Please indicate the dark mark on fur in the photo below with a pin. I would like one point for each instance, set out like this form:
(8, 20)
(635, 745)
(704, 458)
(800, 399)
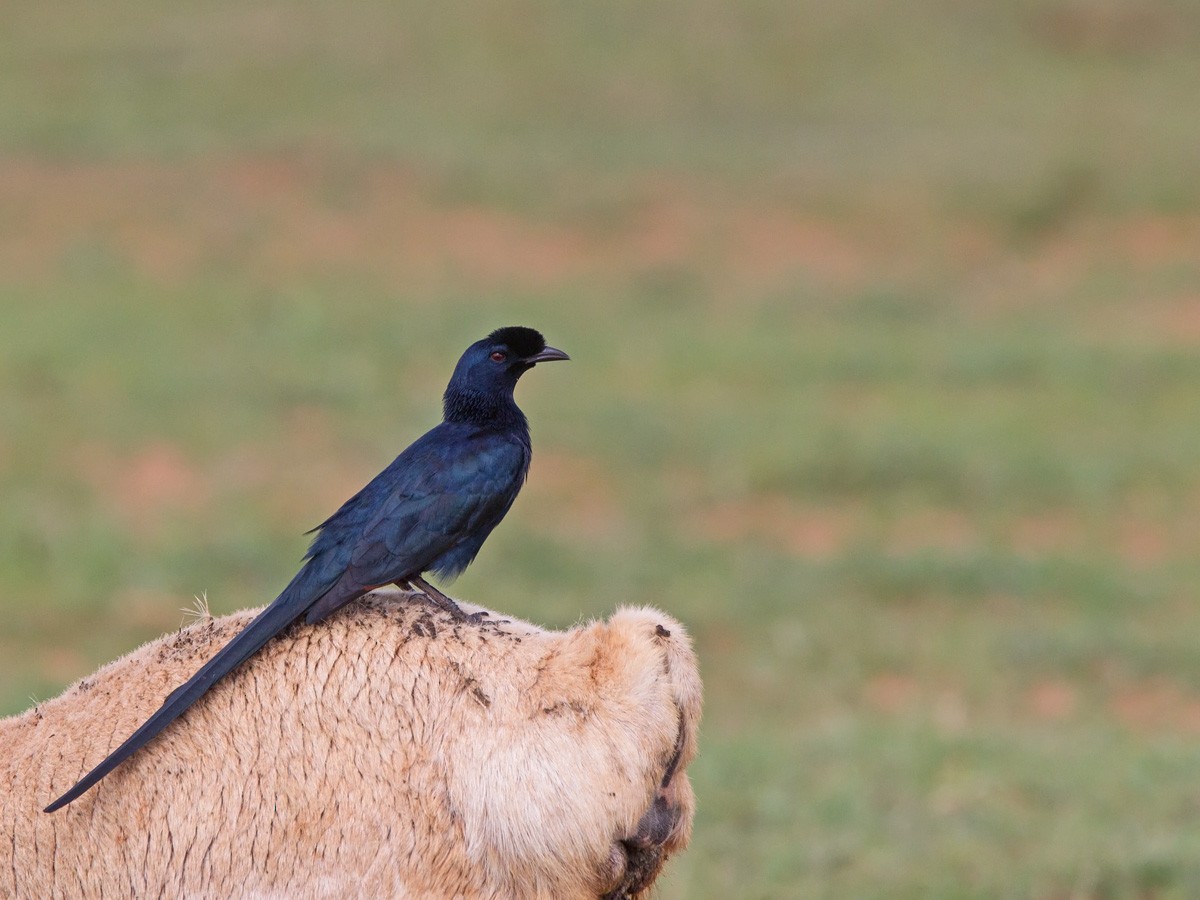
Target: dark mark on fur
(557, 709)
(655, 826)
(470, 684)
(661, 632)
(641, 868)
(423, 626)
(643, 850)
(673, 762)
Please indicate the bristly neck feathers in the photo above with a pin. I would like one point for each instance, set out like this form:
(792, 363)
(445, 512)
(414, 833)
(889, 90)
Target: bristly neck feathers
(487, 409)
(484, 397)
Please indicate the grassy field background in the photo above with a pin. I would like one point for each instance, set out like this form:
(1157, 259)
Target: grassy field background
(884, 319)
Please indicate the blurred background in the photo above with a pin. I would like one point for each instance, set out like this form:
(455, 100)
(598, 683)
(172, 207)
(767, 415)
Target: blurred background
(884, 319)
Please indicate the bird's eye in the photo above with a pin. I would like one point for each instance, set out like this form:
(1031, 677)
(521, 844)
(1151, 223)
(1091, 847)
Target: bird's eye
(499, 356)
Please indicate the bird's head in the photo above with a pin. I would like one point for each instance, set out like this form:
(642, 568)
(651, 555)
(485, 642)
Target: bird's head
(490, 367)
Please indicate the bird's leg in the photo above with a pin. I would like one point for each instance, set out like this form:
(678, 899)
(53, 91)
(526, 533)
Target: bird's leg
(441, 600)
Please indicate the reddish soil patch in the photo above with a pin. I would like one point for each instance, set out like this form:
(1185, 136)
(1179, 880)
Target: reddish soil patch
(1139, 541)
(303, 476)
(1157, 705)
(896, 694)
(1178, 320)
(60, 664)
(1140, 244)
(1121, 28)
(775, 243)
(665, 231)
(159, 475)
(150, 611)
(1154, 241)
(143, 487)
(892, 693)
(1052, 700)
(575, 495)
(816, 533)
(282, 216)
(1143, 543)
(1160, 705)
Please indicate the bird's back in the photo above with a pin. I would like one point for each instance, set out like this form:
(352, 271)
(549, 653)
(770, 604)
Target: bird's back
(431, 508)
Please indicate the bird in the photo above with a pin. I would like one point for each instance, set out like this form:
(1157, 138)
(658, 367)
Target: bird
(429, 511)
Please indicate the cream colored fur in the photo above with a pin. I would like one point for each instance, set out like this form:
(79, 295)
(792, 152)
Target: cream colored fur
(386, 752)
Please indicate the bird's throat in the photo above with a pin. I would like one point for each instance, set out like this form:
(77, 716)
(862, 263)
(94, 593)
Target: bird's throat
(484, 408)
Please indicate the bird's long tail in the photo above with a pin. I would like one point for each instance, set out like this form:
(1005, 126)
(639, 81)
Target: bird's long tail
(286, 608)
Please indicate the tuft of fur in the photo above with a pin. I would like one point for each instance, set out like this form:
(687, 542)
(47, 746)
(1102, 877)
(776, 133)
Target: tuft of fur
(520, 340)
(389, 751)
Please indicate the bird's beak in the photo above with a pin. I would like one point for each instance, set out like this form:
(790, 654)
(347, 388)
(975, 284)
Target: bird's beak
(547, 355)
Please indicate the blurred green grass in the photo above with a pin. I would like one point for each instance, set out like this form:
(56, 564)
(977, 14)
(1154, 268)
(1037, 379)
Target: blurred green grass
(884, 321)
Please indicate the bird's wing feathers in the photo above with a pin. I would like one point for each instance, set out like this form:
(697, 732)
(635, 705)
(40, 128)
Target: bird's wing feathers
(422, 519)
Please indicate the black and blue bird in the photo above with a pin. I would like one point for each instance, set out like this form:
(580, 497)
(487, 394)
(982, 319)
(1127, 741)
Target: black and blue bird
(429, 511)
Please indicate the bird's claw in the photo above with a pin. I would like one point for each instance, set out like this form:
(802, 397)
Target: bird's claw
(440, 600)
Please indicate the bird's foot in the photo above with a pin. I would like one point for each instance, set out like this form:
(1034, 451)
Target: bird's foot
(451, 607)
(456, 612)
(440, 600)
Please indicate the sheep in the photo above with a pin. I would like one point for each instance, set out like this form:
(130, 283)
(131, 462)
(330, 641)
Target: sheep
(389, 751)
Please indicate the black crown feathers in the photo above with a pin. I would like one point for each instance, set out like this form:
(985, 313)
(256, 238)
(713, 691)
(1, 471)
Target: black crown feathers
(520, 340)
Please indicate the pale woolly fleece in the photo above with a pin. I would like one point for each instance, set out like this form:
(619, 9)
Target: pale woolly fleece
(386, 752)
